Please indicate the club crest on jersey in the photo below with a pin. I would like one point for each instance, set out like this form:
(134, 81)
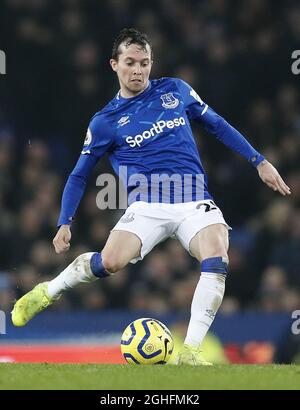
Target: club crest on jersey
(124, 120)
(169, 101)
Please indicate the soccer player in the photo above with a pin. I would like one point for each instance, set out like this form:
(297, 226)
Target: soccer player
(146, 129)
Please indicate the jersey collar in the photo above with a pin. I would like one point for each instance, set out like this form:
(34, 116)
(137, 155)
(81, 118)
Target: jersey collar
(123, 99)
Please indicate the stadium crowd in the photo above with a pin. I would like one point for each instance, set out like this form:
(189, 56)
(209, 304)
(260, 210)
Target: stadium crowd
(238, 58)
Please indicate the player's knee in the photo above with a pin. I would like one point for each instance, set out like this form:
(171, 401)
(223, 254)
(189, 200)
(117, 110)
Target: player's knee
(219, 251)
(112, 262)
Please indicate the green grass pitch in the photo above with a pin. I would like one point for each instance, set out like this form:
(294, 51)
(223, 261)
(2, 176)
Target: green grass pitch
(129, 377)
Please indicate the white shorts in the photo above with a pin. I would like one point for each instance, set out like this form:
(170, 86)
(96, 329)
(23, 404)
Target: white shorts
(153, 223)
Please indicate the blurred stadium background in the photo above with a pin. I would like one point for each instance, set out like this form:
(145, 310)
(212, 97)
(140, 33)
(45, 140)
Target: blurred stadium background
(237, 55)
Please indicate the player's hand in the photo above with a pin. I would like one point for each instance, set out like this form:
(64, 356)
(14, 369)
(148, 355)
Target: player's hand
(62, 239)
(271, 177)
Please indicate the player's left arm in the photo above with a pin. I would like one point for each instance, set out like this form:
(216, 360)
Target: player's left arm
(231, 137)
(270, 176)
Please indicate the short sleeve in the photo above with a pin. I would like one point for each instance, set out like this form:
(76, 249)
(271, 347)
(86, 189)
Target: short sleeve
(99, 138)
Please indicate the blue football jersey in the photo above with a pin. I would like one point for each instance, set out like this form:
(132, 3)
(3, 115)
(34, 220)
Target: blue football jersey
(150, 140)
(151, 146)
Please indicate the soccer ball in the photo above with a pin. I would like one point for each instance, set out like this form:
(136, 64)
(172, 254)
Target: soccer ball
(147, 341)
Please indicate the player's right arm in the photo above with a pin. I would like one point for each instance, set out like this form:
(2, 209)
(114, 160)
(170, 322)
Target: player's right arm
(97, 143)
(73, 192)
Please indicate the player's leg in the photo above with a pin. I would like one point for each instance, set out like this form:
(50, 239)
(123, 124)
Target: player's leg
(204, 233)
(115, 256)
(210, 247)
(91, 266)
(87, 267)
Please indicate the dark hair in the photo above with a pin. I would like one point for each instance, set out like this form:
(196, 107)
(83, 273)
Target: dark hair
(130, 36)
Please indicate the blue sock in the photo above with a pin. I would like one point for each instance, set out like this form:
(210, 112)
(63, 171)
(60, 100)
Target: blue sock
(97, 266)
(214, 265)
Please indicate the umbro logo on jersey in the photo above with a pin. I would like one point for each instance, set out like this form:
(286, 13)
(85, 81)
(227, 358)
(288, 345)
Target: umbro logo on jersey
(169, 101)
(124, 120)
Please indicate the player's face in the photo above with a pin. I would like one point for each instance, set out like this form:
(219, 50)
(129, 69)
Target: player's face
(133, 69)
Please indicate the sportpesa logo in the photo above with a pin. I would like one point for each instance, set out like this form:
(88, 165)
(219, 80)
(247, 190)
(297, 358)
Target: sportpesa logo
(157, 128)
